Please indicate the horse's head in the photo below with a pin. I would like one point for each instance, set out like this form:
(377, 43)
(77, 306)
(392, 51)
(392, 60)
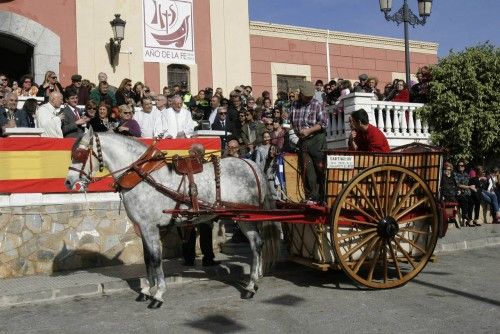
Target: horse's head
(85, 156)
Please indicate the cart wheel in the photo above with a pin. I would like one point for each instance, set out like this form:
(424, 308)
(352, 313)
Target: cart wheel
(384, 226)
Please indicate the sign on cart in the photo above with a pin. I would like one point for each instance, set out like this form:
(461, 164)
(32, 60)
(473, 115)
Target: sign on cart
(340, 162)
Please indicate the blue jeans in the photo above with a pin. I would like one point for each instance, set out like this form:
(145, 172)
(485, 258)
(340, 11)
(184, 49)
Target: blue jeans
(492, 200)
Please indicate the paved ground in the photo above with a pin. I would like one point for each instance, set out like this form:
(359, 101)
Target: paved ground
(458, 294)
(101, 281)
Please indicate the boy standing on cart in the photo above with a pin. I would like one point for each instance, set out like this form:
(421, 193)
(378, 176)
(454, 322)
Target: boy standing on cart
(308, 120)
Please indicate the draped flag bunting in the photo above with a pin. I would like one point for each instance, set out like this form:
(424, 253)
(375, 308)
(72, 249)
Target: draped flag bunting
(40, 165)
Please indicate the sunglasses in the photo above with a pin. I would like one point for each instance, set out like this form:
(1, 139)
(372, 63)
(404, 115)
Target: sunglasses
(53, 77)
(146, 91)
(127, 113)
(222, 113)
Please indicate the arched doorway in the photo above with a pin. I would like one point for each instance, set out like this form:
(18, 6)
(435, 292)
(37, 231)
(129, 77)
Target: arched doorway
(45, 44)
(17, 57)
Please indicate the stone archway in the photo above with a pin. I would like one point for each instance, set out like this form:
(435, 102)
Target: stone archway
(46, 44)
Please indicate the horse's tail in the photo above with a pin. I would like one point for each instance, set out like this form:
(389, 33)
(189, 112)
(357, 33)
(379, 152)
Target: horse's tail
(271, 236)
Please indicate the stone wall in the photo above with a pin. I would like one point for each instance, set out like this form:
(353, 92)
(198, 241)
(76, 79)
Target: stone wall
(50, 238)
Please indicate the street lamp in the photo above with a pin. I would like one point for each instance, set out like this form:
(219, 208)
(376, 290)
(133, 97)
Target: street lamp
(406, 16)
(118, 26)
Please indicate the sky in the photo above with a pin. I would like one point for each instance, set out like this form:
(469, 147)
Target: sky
(454, 24)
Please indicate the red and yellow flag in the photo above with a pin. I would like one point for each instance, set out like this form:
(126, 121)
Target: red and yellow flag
(40, 165)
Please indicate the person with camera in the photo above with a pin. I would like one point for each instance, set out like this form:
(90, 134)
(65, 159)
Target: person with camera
(50, 85)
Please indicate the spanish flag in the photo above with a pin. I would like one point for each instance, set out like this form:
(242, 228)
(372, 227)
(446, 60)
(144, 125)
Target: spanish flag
(40, 165)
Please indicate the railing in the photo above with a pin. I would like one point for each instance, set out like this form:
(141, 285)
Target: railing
(399, 121)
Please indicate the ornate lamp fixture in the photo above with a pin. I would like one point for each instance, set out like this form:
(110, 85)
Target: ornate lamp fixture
(406, 16)
(118, 26)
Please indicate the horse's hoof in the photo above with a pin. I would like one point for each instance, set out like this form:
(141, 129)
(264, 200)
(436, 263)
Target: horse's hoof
(155, 304)
(247, 295)
(142, 297)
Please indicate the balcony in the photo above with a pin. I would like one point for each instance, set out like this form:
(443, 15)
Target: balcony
(398, 121)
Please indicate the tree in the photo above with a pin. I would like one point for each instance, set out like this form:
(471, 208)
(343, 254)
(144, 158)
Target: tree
(464, 103)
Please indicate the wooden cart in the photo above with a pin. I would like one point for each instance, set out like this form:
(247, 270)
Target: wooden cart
(381, 220)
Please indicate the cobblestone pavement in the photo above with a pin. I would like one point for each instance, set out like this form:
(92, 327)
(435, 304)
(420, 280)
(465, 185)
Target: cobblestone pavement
(457, 294)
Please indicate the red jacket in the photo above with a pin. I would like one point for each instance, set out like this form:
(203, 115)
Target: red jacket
(372, 140)
(402, 96)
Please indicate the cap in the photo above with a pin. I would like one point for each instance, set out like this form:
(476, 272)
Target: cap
(363, 77)
(76, 77)
(306, 88)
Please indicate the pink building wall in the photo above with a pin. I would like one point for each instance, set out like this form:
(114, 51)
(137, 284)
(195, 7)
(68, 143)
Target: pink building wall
(60, 17)
(346, 61)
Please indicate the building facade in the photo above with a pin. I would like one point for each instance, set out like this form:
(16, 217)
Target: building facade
(72, 36)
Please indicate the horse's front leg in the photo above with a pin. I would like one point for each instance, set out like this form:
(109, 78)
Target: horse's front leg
(146, 292)
(159, 275)
(152, 244)
(256, 247)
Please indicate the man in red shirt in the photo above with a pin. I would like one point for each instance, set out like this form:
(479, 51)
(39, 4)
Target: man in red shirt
(366, 137)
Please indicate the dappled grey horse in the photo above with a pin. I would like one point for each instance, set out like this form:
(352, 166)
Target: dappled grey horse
(144, 204)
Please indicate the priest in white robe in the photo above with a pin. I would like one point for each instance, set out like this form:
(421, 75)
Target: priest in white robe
(176, 122)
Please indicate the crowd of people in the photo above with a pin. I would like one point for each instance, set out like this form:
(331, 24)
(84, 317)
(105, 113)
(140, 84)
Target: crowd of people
(295, 122)
(470, 188)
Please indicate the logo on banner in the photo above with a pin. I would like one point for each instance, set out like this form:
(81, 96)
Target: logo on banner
(168, 31)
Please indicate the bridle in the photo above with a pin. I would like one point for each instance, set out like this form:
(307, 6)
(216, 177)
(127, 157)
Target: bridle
(83, 155)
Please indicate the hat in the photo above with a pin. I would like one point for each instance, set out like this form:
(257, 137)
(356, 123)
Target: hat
(76, 77)
(306, 88)
(363, 77)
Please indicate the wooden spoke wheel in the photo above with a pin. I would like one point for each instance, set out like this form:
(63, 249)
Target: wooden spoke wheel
(384, 226)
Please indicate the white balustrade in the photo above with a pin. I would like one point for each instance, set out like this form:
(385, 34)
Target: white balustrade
(399, 121)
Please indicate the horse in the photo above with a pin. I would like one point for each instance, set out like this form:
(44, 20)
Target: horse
(241, 181)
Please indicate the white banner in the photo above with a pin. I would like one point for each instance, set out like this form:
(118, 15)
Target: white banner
(168, 31)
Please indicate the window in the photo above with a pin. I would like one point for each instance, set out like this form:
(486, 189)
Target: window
(287, 83)
(177, 74)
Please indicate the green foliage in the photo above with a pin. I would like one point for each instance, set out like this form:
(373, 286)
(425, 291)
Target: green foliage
(464, 108)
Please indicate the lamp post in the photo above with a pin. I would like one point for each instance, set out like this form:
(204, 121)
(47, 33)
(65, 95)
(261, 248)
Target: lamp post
(406, 16)
(118, 26)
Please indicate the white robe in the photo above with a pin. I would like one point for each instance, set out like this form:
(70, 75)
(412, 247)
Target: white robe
(172, 122)
(48, 119)
(147, 121)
